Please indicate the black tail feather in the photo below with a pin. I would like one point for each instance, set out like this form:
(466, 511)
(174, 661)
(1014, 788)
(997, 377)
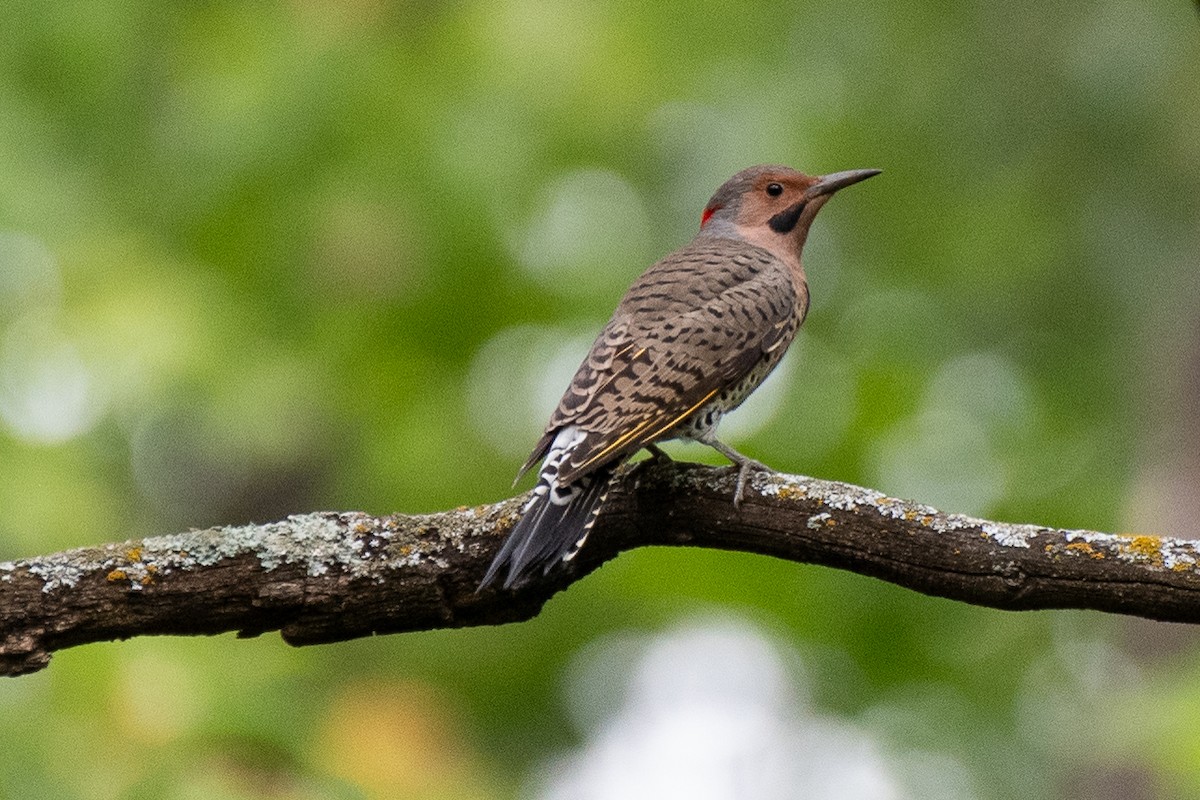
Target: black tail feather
(550, 532)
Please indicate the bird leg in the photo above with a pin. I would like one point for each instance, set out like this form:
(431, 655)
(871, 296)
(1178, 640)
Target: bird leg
(744, 464)
(658, 457)
(658, 454)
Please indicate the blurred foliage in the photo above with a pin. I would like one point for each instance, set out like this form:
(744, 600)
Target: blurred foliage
(258, 259)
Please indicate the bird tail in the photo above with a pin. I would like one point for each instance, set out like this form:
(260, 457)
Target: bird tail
(555, 521)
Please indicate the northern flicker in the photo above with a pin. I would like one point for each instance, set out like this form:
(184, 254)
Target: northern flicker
(696, 333)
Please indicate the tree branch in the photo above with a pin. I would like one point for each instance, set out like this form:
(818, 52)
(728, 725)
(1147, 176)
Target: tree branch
(326, 577)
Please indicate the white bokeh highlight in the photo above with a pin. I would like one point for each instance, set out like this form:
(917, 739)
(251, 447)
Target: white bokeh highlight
(714, 710)
(516, 379)
(29, 275)
(949, 453)
(47, 394)
(589, 232)
(761, 406)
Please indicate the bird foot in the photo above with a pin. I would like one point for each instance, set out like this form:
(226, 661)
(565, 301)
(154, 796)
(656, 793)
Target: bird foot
(744, 466)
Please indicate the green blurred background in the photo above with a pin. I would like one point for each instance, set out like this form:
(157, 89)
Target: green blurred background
(258, 259)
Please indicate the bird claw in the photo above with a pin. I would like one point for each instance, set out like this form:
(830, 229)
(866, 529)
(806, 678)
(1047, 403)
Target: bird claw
(744, 465)
(744, 468)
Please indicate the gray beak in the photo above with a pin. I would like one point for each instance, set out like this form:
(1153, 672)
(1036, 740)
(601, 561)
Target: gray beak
(828, 184)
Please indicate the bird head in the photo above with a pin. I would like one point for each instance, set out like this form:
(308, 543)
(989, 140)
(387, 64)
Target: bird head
(772, 206)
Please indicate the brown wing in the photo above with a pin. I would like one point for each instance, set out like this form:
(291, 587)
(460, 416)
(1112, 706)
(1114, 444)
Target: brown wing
(691, 325)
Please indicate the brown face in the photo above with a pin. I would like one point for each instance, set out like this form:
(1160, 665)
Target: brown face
(769, 205)
(776, 200)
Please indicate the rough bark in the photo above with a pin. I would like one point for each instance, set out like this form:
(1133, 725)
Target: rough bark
(331, 576)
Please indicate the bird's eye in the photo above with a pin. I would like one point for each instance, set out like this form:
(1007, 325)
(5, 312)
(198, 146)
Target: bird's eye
(774, 189)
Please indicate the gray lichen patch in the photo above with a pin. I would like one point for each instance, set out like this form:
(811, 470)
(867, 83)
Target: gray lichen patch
(319, 541)
(1148, 551)
(454, 528)
(840, 496)
(61, 570)
(818, 521)
(1007, 534)
(1176, 555)
(352, 543)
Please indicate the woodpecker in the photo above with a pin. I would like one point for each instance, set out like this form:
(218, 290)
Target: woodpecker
(695, 334)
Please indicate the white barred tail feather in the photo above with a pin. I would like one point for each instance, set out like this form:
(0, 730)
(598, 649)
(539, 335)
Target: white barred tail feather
(556, 519)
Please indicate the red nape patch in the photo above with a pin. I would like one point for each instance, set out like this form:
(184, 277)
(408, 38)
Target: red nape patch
(708, 212)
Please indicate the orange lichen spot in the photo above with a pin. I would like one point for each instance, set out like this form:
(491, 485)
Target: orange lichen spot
(1148, 547)
(362, 527)
(117, 575)
(926, 521)
(405, 549)
(134, 554)
(1183, 566)
(1085, 549)
(792, 492)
